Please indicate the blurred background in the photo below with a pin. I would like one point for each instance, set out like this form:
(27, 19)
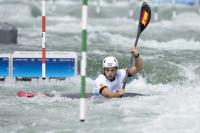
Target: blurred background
(169, 46)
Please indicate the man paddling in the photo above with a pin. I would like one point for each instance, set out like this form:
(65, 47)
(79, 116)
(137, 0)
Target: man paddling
(109, 83)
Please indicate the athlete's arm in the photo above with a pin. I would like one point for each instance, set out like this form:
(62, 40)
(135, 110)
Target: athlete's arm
(108, 94)
(138, 66)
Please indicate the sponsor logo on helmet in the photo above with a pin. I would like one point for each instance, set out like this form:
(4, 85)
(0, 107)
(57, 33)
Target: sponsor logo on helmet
(109, 64)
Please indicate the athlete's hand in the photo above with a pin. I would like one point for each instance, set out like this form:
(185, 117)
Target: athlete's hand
(134, 52)
(121, 92)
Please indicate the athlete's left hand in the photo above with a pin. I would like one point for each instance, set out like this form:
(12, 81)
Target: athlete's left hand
(134, 52)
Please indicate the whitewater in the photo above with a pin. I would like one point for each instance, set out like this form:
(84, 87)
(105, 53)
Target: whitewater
(170, 48)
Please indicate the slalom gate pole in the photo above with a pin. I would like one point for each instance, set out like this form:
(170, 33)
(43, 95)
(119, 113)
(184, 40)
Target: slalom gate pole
(43, 40)
(198, 6)
(156, 11)
(173, 8)
(83, 59)
(98, 6)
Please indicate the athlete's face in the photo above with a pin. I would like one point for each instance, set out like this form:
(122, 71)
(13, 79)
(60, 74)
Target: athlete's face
(110, 72)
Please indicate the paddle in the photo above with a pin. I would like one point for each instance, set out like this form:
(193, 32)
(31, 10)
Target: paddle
(145, 16)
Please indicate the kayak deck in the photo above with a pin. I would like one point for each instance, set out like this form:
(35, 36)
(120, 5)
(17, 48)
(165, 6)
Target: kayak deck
(88, 95)
(68, 95)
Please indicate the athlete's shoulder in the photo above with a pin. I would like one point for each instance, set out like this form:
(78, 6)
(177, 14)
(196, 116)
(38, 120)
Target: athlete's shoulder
(100, 82)
(101, 77)
(121, 71)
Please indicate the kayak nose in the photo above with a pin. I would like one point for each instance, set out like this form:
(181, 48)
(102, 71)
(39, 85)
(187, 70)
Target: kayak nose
(26, 94)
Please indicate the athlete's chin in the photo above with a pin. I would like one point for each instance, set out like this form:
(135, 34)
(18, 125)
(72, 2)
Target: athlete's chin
(110, 78)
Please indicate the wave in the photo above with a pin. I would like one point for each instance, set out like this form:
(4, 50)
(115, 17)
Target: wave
(177, 44)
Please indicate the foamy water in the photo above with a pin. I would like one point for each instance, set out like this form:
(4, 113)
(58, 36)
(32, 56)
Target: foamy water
(170, 79)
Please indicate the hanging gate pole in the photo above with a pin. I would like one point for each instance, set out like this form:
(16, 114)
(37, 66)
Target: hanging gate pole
(43, 40)
(83, 59)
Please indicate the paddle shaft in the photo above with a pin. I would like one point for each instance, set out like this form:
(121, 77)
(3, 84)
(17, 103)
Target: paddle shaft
(129, 66)
(145, 16)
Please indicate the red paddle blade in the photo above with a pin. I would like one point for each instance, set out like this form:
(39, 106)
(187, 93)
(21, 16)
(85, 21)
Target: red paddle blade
(145, 16)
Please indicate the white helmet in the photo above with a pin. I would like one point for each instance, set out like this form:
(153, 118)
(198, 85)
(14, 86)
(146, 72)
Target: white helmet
(110, 61)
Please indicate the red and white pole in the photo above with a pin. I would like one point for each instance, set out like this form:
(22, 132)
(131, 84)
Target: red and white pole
(43, 40)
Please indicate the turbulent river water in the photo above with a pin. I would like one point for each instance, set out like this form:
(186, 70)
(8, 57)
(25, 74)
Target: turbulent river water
(170, 49)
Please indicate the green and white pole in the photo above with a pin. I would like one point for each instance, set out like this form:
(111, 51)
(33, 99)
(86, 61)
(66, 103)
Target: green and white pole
(156, 11)
(198, 6)
(131, 11)
(83, 59)
(53, 5)
(98, 6)
(173, 8)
